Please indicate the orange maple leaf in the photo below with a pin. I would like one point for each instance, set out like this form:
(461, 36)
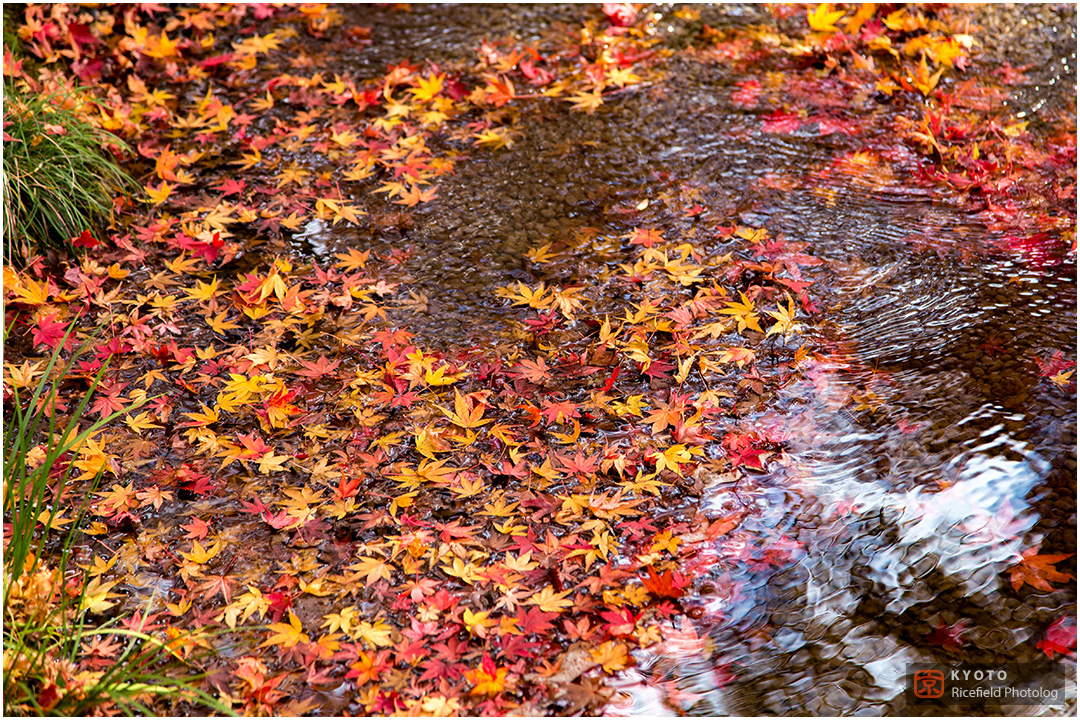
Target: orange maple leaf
(1037, 570)
(488, 679)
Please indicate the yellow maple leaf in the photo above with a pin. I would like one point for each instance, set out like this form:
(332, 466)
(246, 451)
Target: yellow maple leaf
(203, 291)
(344, 621)
(288, 634)
(326, 209)
(141, 422)
(1062, 378)
(441, 377)
(754, 235)
(219, 324)
(673, 457)
(159, 194)
(463, 415)
(258, 44)
(525, 295)
(426, 89)
(622, 76)
(29, 292)
(586, 101)
(550, 601)
(373, 569)
(487, 683)
(97, 595)
(823, 18)
(201, 555)
(478, 622)
(493, 139)
(440, 706)
(182, 264)
(271, 463)
(353, 260)
(246, 605)
(344, 139)
(402, 501)
(923, 81)
(665, 541)
(92, 460)
(375, 635)
(161, 47)
(611, 656)
(785, 320)
(468, 487)
(466, 571)
(743, 313)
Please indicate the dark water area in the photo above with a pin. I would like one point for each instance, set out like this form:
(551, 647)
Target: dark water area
(924, 456)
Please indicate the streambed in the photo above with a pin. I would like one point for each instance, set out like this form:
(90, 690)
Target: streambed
(924, 456)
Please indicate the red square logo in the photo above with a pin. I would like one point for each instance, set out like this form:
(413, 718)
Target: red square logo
(929, 684)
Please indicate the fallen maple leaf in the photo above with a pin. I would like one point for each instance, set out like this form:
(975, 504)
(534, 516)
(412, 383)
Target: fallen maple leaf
(1060, 637)
(823, 18)
(49, 332)
(1037, 570)
(611, 656)
(85, 240)
(620, 14)
(948, 636)
(550, 601)
(488, 679)
(287, 635)
(668, 584)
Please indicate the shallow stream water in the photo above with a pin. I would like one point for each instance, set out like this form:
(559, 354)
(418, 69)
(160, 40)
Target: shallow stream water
(924, 455)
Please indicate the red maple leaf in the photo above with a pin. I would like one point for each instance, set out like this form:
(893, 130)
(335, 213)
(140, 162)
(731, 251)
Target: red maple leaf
(347, 487)
(1054, 365)
(1060, 637)
(948, 636)
(536, 76)
(658, 369)
(741, 451)
(669, 584)
(559, 411)
(49, 332)
(781, 122)
(254, 508)
(829, 125)
(747, 94)
(579, 464)
(645, 236)
(197, 529)
(279, 520)
(621, 622)
(280, 603)
(546, 322)
(534, 620)
(113, 347)
(199, 483)
(85, 240)
(254, 447)
(620, 14)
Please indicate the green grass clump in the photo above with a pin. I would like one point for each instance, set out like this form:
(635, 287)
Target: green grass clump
(59, 180)
(62, 657)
